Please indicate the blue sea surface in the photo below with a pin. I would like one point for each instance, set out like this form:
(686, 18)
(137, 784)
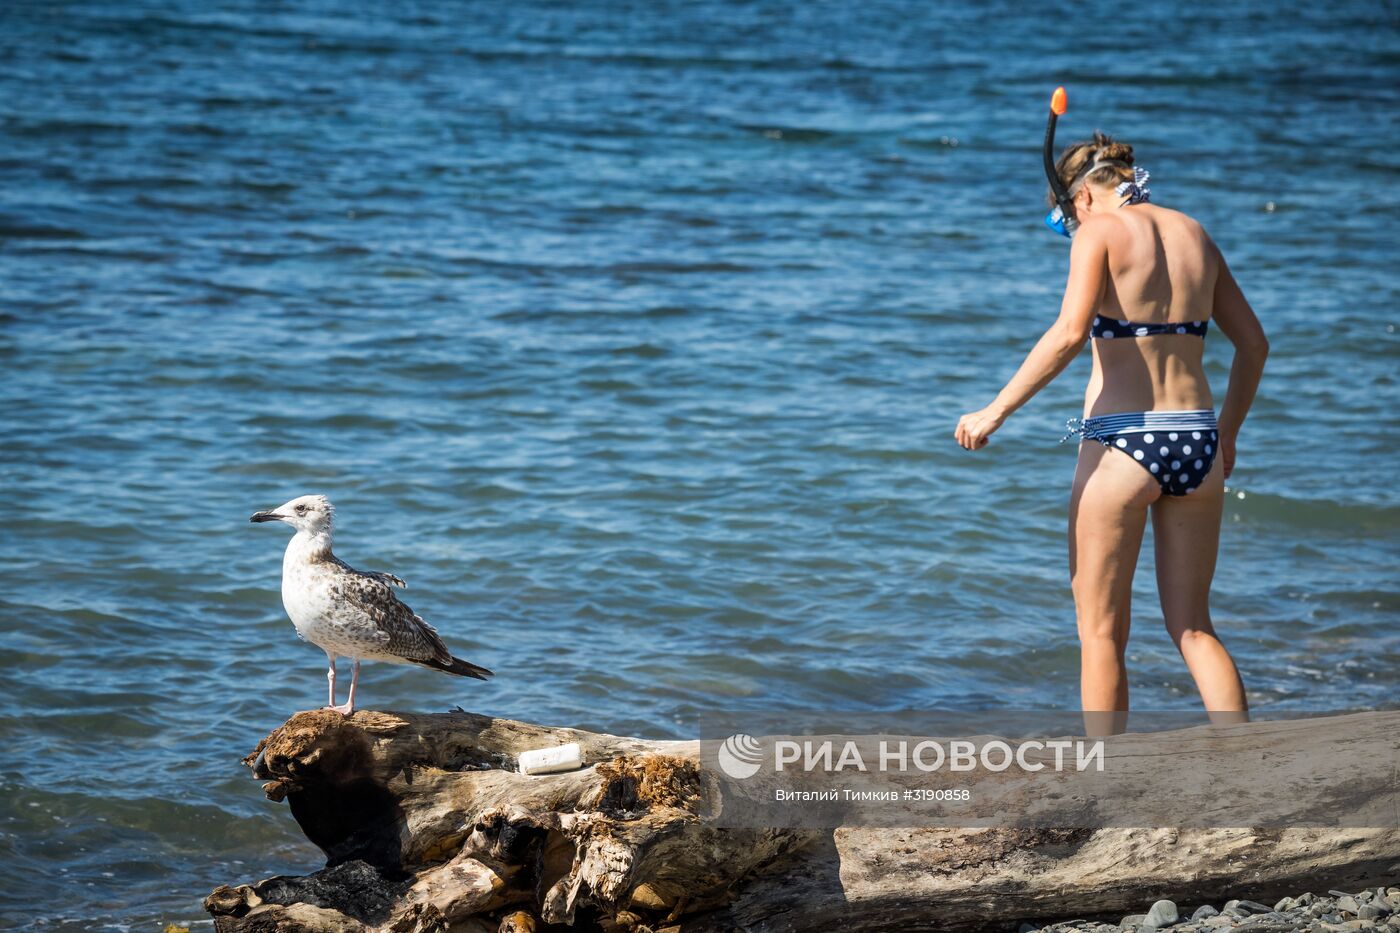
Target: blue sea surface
(632, 335)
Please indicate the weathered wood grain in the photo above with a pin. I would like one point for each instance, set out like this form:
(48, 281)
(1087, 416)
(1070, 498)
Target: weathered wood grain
(427, 827)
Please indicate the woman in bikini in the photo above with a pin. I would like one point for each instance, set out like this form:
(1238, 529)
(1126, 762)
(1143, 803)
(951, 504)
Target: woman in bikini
(1144, 282)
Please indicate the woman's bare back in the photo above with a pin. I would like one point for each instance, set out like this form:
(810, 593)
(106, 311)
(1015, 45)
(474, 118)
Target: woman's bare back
(1162, 268)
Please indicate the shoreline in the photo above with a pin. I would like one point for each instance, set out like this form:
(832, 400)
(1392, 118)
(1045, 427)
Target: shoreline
(1375, 908)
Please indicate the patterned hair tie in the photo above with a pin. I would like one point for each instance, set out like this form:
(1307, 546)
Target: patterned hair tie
(1136, 191)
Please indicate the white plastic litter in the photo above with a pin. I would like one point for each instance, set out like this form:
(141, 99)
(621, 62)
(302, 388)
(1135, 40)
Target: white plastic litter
(551, 760)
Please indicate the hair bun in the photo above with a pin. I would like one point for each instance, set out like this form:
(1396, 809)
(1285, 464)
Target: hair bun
(1109, 150)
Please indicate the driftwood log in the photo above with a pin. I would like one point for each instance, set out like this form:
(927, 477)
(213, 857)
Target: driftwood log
(428, 826)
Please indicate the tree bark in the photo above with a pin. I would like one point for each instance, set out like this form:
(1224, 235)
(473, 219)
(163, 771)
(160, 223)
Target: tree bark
(427, 826)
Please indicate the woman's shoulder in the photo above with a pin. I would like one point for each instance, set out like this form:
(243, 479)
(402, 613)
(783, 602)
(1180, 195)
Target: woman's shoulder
(1174, 229)
(1184, 238)
(1180, 219)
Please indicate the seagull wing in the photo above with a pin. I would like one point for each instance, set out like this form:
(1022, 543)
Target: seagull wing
(399, 630)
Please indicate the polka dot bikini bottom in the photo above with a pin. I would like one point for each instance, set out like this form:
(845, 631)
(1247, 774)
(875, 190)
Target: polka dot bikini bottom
(1176, 447)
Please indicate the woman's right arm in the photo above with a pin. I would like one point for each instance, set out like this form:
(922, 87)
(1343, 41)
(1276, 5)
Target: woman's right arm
(1237, 321)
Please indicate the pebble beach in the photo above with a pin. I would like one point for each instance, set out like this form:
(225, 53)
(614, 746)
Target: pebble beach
(1374, 909)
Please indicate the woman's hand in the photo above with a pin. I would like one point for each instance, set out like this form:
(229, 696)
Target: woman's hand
(1227, 452)
(975, 427)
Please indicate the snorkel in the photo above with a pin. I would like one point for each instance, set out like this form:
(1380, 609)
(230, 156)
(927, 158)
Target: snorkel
(1061, 219)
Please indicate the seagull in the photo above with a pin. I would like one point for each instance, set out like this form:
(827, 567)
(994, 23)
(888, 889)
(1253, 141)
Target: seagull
(347, 612)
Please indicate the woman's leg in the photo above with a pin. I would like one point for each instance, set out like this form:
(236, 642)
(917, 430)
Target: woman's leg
(1186, 534)
(1107, 515)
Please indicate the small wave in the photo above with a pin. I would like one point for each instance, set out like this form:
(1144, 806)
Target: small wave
(791, 134)
(677, 268)
(645, 351)
(279, 469)
(1326, 514)
(20, 230)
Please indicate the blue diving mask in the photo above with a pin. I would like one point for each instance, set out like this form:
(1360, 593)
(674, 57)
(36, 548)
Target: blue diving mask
(1055, 220)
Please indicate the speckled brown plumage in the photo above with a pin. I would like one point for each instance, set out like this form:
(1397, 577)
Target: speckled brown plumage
(393, 627)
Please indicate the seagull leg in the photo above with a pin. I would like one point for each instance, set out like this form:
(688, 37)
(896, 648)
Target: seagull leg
(354, 679)
(330, 676)
(348, 707)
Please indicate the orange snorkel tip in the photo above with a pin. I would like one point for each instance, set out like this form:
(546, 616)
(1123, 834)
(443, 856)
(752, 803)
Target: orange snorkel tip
(1059, 102)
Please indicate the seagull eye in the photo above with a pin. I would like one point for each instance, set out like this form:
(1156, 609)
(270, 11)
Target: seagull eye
(301, 510)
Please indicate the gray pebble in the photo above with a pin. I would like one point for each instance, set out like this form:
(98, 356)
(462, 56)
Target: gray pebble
(1255, 907)
(1285, 904)
(1372, 912)
(1162, 914)
(1204, 911)
(1132, 920)
(1348, 903)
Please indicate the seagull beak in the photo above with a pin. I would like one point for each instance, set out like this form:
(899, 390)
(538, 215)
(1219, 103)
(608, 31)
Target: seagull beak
(268, 516)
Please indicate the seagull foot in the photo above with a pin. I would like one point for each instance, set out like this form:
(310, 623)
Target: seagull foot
(344, 709)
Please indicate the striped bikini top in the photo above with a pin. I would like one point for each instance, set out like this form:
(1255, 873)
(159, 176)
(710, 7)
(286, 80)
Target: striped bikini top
(1108, 327)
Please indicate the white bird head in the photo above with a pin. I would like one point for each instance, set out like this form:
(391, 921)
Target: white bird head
(311, 514)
